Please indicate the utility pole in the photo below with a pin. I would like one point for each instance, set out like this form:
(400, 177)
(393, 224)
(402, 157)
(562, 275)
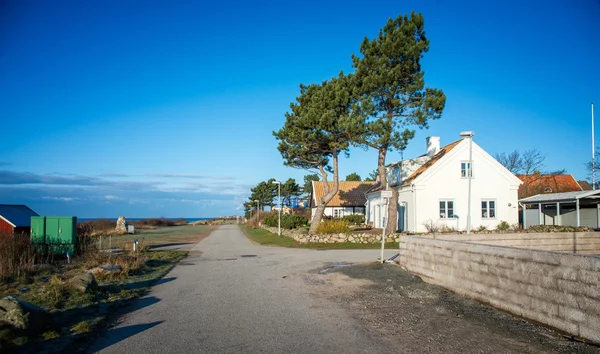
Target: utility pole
(279, 209)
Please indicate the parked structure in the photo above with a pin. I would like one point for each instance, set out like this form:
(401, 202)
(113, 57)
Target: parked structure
(579, 208)
(434, 189)
(350, 198)
(15, 218)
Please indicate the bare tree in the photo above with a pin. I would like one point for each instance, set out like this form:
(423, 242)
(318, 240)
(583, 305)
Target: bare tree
(512, 161)
(527, 163)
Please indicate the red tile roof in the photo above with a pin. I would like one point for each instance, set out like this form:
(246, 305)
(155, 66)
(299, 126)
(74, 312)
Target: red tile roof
(349, 193)
(585, 185)
(539, 184)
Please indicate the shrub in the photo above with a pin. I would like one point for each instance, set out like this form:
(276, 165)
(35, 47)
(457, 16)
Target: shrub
(355, 218)
(431, 226)
(335, 226)
(503, 226)
(288, 221)
(482, 228)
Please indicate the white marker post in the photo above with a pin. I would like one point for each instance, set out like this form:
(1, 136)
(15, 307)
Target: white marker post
(387, 195)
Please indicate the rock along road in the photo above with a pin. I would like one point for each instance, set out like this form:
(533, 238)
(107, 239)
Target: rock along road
(230, 296)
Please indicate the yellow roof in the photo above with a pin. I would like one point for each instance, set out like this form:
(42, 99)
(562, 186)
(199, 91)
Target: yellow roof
(349, 193)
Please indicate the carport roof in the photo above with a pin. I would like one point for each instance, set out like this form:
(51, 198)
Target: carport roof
(561, 197)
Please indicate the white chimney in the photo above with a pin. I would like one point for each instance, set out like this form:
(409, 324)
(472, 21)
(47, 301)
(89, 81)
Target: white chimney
(433, 145)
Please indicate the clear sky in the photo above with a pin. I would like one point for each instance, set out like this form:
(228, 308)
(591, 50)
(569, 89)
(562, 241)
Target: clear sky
(166, 108)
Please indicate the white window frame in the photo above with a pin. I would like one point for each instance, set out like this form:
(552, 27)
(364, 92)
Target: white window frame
(339, 212)
(468, 167)
(444, 214)
(486, 211)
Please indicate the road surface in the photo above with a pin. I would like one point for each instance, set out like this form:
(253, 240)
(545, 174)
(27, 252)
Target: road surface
(231, 296)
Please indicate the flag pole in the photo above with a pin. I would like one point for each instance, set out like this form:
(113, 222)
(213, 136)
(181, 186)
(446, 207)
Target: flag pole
(593, 153)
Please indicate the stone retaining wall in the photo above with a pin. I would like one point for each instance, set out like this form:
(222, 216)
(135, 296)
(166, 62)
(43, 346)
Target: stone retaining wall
(332, 238)
(556, 289)
(573, 242)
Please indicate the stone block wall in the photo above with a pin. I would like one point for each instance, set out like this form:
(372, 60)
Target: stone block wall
(573, 242)
(559, 290)
(332, 238)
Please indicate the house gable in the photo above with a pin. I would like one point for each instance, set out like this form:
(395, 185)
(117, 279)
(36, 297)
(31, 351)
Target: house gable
(452, 157)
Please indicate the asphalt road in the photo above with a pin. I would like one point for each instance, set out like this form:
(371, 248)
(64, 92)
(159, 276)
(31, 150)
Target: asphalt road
(230, 296)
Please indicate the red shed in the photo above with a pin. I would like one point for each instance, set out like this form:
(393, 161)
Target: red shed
(15, 218)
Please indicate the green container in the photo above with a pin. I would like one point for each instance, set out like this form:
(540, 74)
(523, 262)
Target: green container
(61, 230)
(38, 229)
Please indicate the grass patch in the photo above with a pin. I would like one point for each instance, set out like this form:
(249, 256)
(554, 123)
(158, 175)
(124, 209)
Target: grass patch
(82, 327)
(267, 238)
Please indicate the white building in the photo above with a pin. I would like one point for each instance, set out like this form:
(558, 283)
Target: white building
(434, 189)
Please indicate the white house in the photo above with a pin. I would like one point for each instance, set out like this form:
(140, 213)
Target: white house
(434, 188)
(350, 198)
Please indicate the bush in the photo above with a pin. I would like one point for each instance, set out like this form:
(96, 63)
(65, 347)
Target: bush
(335, 226)
(288, 221)
(355, 218)
(503, 226)
(431, 226)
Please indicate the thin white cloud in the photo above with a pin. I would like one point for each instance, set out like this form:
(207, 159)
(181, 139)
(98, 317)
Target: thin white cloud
(112, 197)
(193, 176)
(64, 199)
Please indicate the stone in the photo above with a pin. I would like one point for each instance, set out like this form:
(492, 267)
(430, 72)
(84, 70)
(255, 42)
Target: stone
(106, 269)
(83, 282)
(121, 225)
(22, 315)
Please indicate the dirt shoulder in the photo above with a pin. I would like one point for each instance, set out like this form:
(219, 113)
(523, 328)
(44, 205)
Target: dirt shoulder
(413, 316)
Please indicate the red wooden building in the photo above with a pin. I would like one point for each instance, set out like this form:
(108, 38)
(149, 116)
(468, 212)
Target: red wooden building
(15, 218)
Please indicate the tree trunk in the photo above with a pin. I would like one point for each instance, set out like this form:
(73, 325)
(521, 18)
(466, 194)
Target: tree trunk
(329, 194)
(392, 212)
(392, 209)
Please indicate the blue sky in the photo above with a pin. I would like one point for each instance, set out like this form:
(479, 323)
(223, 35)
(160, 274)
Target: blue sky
(156, 108)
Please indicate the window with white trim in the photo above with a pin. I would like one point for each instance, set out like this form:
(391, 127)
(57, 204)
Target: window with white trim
(338, 213)
(488, 209)
(465, 169)
(446, 209)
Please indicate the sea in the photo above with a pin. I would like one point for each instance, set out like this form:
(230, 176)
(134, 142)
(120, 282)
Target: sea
(137, 219)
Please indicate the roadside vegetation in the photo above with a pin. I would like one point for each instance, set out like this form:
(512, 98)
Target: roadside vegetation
(267, 238)
(73, 299)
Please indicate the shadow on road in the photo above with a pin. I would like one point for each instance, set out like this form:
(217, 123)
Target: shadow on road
(116, 335)
(164, 245)
(164, 280)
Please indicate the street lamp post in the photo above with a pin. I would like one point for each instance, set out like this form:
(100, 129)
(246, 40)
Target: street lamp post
(257, 209)
(278, 183)
(470, 176)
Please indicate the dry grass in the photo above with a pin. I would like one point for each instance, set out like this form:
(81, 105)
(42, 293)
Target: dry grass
(17, 256)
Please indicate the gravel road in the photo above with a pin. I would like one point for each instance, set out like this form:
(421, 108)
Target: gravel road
(232, 296)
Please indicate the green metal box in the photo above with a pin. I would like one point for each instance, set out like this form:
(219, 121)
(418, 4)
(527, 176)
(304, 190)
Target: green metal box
(61, 229)
(38, 229)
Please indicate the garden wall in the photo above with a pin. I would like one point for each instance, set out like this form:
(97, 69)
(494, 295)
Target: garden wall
(573, 242)
(333, 238)
(559, 290)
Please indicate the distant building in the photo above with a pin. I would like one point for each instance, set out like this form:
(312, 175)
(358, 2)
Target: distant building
(15, 218)
(538, 183)
(585, 185)
(350, 198)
